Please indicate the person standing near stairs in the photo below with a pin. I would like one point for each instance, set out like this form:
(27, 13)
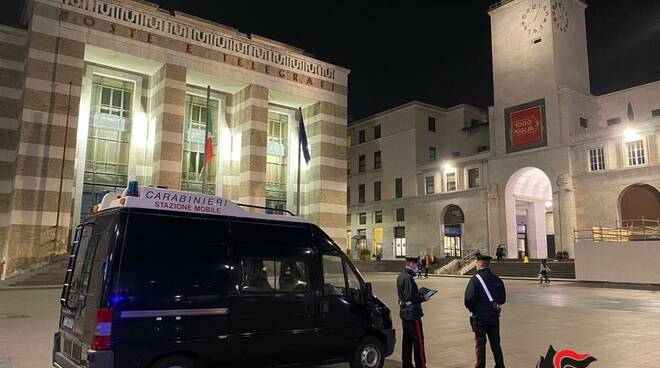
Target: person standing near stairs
(544, 271)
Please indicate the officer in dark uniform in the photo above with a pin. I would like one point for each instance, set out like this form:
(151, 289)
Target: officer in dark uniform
(410, 301)
(485, 309)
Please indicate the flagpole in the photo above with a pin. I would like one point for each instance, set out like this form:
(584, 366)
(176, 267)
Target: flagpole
(206, 137)
(299, 158)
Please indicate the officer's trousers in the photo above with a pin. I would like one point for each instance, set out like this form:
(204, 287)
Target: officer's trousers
(413, 340)
(483, 331)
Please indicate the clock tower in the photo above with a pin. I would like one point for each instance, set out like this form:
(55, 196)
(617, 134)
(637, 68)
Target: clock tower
(539, 50)
(541, 91)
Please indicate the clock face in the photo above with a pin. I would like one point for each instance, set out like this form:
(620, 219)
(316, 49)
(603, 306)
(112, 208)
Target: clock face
(535, 18)
(560, 16)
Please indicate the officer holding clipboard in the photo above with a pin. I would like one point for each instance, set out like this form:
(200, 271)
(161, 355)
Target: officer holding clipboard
(484, 296)
(410, 301)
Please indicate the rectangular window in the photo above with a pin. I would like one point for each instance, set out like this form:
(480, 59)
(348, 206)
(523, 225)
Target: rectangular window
(451, 181)
(614, 121)
(348, 195)
(361, 136)
(432, 153)
(473, 178)
(377, 161)
(482, 148)
(348, 167)
(361, 193)
(339, 278)
(398, 187)
(348, 219)
(277, 159)
(655, 113)
(636, 155)
(363, 218)
(376, 131)
(474, 123)
(349, 141)
(268, 275)
(376, 191)
(378, 217)
(430, 184)
(584, 123)
(362, 163)
(400, 215)
(431, 124)
(597, 159)
(400, 241)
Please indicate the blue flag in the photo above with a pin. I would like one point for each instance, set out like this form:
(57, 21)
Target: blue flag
(303, 139)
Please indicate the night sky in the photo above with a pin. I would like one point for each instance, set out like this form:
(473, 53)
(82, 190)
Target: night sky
(434, 51)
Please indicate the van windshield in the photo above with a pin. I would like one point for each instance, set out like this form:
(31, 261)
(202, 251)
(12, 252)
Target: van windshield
(83, 252)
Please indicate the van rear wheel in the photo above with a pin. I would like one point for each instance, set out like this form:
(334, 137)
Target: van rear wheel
(370, 353)
(174, 362)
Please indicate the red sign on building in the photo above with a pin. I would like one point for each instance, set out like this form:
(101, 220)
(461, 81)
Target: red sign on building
(525, 126)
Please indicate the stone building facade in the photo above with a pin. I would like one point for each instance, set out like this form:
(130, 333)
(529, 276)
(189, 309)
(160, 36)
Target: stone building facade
(546, 160)
(95, 93)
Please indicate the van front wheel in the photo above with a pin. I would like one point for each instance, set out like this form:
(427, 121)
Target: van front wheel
(370, 353)
(174, 362)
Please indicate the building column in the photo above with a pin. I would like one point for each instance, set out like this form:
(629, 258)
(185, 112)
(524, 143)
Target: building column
(565, 218)
(169, 94)
(251, 118)
(325, 178)
(38, 219)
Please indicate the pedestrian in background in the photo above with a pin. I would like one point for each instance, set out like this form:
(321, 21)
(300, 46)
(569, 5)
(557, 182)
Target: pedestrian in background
(410, 302)
(484, 296)
(544, 271)
(426, 263)
(499, 253)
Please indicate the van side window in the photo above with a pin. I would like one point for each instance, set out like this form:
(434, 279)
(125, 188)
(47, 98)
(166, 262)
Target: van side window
(334, 281)
(354, 286)
(269, 275)
(173, 262)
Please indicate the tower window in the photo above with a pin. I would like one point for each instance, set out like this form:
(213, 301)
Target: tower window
(536, 40)
(431, 124)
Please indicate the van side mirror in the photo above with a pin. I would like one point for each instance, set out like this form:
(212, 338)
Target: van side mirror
(368, 291)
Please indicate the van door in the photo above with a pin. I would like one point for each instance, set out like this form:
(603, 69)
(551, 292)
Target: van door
(274, 315)
(272, 318)
(84, 284)
(173, 290)
(343, 315)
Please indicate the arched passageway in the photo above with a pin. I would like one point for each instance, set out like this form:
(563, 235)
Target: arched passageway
(529, 214)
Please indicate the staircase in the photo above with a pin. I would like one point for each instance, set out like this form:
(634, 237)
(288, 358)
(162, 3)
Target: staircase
(560, 270)
(51, 275)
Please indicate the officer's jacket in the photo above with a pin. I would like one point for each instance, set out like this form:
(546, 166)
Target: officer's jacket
(476, 300)
(409, 297)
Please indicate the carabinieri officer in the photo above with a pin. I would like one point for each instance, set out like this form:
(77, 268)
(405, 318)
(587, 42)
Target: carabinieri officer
(410, 301)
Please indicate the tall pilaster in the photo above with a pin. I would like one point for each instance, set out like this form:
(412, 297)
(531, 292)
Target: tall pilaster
(251, 117)
(566, 218)
(325, 180)
(43, 158)
(169, 94)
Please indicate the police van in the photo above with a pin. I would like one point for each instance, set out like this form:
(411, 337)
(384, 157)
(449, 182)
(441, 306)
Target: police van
(160, 278)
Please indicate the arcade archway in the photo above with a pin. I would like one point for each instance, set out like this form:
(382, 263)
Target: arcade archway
(452, 230)
(639, 205)
(529, 214)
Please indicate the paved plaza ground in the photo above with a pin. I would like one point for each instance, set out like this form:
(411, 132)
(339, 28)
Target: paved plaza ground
(619, 326)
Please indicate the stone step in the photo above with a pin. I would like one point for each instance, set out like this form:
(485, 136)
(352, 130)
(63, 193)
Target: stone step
(564, 270)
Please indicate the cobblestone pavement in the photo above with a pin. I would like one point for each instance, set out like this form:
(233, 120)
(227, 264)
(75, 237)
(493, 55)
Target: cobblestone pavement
(618, 326)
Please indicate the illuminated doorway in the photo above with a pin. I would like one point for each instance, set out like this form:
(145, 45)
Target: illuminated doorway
(377, 250)
(452, 223)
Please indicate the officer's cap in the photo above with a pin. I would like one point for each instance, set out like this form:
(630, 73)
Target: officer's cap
(412, 259)
(481, 257)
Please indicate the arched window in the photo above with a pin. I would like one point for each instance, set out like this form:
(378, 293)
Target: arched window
(638, 203)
